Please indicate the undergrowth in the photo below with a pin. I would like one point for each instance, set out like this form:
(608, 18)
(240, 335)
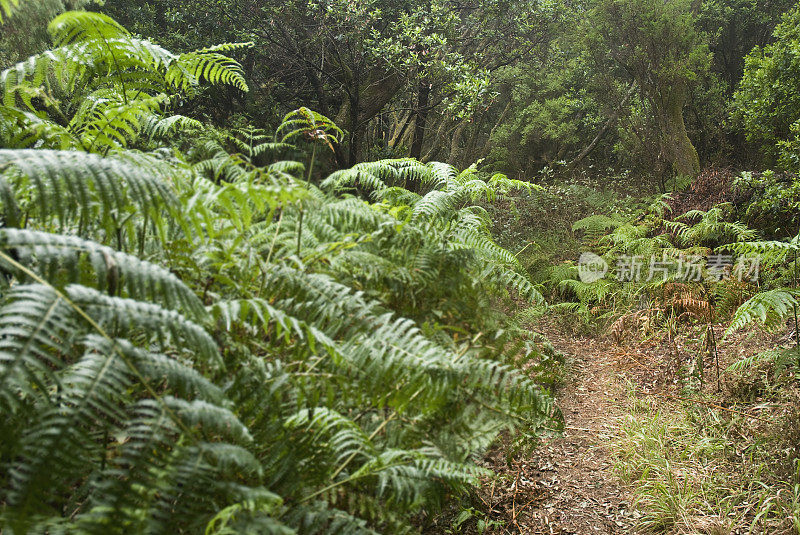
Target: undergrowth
(215, 339)
(694, 469)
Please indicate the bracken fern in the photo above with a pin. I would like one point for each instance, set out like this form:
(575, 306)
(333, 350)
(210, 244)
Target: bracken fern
(218, 344)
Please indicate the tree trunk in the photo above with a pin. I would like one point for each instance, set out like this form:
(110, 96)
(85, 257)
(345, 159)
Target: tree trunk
(488, 145)
(611, 120)
(423, 95)
(455, 143)
(363, 103)
(477, 129)
(399, 130)
(677, 146)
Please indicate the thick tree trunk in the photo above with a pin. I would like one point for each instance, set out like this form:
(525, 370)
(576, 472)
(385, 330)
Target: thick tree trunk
(423, 95)
(676, 144)
(455, 144)
(436, 147)
(488, 145)
(399, 130)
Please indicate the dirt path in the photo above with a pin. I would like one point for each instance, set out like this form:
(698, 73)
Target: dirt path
(567, 485)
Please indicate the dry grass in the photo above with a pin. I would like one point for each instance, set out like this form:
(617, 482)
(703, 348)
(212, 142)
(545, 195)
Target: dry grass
(699, 470)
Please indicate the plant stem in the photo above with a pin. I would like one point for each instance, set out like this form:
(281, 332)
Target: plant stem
(308, 185)
(299, 229)
(794, 308)
(716, 353)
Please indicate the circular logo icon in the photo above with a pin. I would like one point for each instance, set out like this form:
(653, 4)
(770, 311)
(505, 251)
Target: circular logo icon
(591, 268)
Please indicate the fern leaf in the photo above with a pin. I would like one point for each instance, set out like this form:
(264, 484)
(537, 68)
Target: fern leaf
(208, 64)
(104, 267)
(21, 130)
(595, 226)
(167, 325)
(65, 182)
(77, 26)
(333, 432)
(770, 308)
(35, 326)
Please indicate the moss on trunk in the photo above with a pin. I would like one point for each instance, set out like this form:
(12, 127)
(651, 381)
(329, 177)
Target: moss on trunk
(676, 145)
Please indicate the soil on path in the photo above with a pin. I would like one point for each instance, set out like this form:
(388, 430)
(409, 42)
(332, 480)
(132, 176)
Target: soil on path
(567, 485)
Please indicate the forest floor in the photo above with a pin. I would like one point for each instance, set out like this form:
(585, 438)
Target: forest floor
(567, 485)
(570, 484)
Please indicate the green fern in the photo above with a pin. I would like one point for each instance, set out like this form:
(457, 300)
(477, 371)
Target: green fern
(711, 227)
(62, 186)
(781, 359)
(770, 308)
(7, 8)
(213, 343)
(117, 85)
(595, 226)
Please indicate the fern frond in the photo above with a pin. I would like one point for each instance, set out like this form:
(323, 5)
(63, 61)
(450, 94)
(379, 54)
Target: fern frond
(208, 64)
(711, 227)
(159, 481)
(362, 175)
(92, 392)
(261, 313)
(162, 325)
(770, 308)
(434, 204)
(769, 252)
(332, 431)
(319, 518)
(517, 282)
(22, 129)
(589, 293)
(108, 119)
(781, 358)
(660, 206)
(312, 125)
(67, 182)
(595, 226)
(91, 264)
(78, 26)
(160, 368)
(35, 327)
(154, 126)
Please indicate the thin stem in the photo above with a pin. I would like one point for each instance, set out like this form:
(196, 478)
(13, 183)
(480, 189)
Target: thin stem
(308, 185)
(299, 230)
(716, 353)
(344, 481)
(311, 164)
(275, 236)
(794, 308)
(117, 67)
(143, 234)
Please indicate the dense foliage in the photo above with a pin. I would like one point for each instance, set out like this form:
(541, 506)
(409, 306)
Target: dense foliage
(197, 336)
(276, 266)
(572, 87)
(766, 102)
